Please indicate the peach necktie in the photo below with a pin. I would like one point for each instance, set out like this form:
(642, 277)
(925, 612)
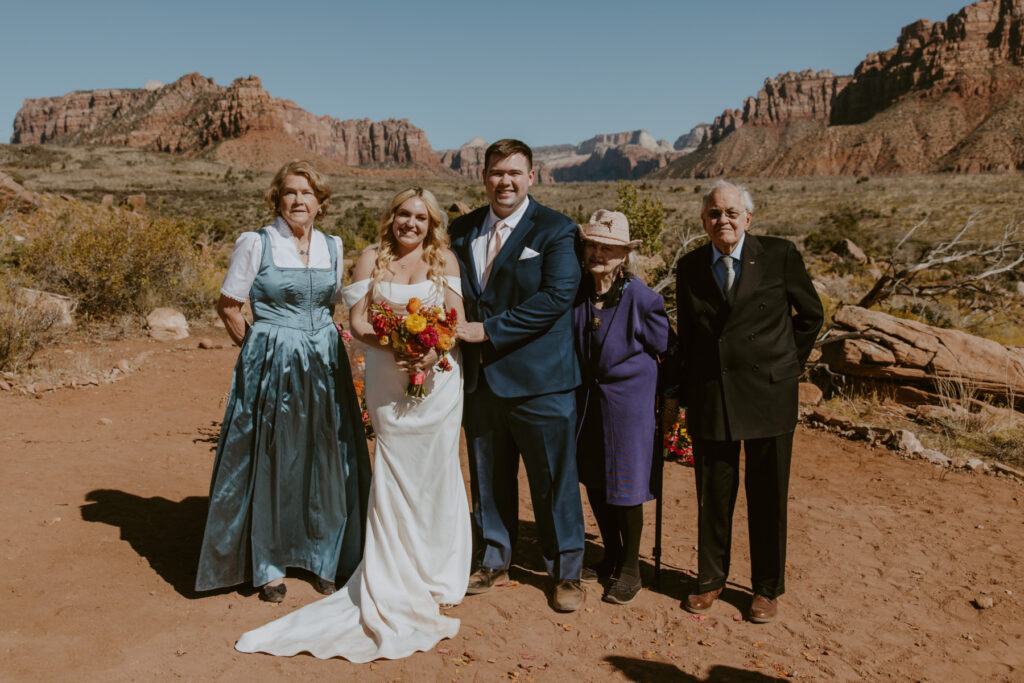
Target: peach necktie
(493, 247)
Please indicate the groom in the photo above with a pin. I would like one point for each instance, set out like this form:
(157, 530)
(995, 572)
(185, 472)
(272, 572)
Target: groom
(519, 277)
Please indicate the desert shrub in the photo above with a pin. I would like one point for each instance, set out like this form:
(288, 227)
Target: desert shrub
(23, 330)
(357, 227)
(111, 260)
(646, 216)
(839, 224)
(578, 214)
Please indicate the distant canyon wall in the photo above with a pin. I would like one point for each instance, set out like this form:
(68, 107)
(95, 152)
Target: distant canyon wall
(194, 115)
(948, 97)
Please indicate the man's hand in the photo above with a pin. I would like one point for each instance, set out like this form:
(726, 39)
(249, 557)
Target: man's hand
(471, 332)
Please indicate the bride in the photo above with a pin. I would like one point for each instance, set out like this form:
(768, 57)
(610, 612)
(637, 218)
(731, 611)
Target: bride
(418, 539)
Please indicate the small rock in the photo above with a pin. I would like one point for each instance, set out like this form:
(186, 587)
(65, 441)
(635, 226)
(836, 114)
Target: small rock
(107, 201)
(1020, 287)
(42, 387)
(123, 365)
(935, 457)
(206, 343)
(105, 421)
(863, 432)
(4, 386)
(810, 394)
(984, 602)
(137, 202)
(958, 463)
(167, 324)
(847, 249)
(905, 441)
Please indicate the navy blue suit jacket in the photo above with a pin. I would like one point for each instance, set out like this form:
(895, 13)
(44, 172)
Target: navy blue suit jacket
(526, 307)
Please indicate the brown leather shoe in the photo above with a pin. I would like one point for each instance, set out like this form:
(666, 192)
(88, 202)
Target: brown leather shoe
(567, 596)
(484, 579)
(699, 603)
(763, 610)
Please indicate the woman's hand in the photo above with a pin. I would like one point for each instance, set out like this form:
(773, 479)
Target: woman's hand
(415, 364)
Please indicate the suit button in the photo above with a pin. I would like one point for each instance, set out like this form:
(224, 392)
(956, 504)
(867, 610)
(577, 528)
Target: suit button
(761, 305)
(725, 370)
(721, 340)
(756, 368)
(751, 337)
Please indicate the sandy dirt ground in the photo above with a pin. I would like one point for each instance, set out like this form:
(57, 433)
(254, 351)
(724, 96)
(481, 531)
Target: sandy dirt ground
(105, 495)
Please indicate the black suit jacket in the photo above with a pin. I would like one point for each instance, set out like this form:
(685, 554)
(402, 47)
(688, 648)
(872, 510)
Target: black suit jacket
(740, 365)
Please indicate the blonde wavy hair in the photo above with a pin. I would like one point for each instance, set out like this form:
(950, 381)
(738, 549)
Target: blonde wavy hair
(435, 243)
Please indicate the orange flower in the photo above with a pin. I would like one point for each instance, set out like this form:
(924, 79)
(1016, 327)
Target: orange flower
(444, 340)
(413, 305)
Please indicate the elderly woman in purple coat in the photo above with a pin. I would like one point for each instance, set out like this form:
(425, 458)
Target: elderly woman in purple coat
(621, 329)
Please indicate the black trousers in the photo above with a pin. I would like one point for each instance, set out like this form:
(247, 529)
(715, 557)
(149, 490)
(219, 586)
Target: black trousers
(766, 483)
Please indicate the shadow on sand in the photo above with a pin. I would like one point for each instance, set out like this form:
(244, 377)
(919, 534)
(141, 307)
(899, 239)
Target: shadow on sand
(167, 534)
(643, 670)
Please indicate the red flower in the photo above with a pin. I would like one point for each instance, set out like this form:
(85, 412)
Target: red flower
(428, 338)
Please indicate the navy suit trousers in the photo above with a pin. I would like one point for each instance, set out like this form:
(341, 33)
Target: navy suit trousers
(540, 428)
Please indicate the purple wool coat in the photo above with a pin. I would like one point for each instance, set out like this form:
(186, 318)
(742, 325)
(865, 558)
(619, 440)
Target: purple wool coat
(619, 364)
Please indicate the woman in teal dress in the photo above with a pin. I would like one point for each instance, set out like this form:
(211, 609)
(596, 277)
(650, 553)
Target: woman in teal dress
(291, 477)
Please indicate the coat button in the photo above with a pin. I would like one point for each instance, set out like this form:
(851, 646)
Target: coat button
(761, 306)
(721, 340)
(751, 337)
(725, 370)
(756, 368)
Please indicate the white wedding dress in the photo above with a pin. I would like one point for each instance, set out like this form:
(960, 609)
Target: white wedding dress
(418, 538)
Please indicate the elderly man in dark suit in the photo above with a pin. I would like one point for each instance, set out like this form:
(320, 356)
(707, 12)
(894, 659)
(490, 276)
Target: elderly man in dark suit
(748, 317)
(520, 272)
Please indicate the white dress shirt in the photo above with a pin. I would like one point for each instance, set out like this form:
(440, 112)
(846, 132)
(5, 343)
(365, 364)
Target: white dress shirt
(479, 245)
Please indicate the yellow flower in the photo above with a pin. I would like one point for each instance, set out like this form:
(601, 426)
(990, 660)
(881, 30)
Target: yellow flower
(415, 323)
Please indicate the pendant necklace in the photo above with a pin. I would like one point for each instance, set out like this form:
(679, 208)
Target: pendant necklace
(608, 299)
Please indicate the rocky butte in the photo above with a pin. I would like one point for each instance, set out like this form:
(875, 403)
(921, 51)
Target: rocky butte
(240, 123)
(948, 97)
(611, 156)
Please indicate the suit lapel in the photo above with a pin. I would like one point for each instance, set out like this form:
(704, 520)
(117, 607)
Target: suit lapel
(476, 222)
(751, 269)
(515, 240)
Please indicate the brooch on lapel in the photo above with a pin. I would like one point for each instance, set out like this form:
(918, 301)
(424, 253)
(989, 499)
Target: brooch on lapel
(595, 323)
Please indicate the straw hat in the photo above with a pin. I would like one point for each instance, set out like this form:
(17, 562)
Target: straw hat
(608, 227)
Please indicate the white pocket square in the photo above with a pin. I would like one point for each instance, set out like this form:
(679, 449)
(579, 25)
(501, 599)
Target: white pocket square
(528, 253)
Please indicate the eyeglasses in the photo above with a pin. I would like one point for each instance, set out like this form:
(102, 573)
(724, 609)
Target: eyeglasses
(731, 214)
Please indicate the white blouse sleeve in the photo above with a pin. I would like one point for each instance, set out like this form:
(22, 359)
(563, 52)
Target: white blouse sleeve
(243, 266)
(339, 269)
(454, 283)
(356, 291)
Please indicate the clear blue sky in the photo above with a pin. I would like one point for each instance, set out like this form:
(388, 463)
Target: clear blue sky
(554, 71)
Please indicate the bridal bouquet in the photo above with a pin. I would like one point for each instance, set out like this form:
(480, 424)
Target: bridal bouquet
(677, 441)
(416, 334)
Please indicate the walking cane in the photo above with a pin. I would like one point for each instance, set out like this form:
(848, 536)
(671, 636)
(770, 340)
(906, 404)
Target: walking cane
(658, 477)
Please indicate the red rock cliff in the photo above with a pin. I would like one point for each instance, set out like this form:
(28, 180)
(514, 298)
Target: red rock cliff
(194, 114)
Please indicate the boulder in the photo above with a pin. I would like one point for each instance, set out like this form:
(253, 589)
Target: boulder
(167, 324)
(810, 394)
(60, 306)
(847, 249)
(930, 358)
(905, 441)
(935, 457)
(137, 202)
(14, 195)
(460, 208)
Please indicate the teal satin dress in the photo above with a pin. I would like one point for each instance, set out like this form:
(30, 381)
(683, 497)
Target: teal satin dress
(291, 477)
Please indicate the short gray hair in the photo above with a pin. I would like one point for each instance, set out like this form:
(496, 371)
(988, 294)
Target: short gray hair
(748, 201)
